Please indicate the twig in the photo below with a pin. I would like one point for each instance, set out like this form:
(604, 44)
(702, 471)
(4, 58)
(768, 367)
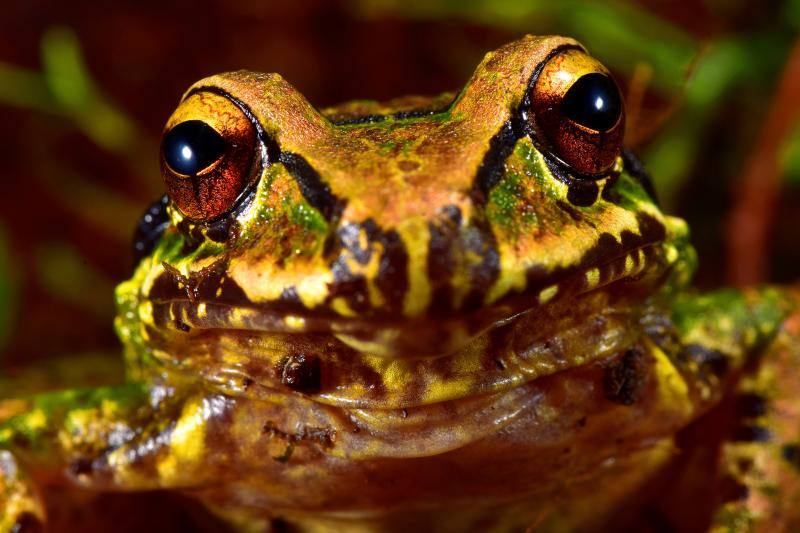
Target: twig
(753, 212)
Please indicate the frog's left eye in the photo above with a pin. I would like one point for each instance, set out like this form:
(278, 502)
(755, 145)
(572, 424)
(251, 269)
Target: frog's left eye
(578, 112)
(206, 156)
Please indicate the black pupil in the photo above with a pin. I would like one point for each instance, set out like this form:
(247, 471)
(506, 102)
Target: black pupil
(593, 101)
(191, 146)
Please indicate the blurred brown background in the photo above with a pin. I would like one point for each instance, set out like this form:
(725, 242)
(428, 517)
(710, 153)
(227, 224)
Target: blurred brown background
(713, 90)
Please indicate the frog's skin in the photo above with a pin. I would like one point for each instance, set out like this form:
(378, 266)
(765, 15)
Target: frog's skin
(420, 314)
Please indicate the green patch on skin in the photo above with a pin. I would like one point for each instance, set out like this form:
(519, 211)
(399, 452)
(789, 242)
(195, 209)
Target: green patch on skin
(270, 210)
(733, 518)
(508, 205)
(631, 192)
(536, 167)
(137, 354)
(730, 321)
(169, 248)
(386, 147)
(303, 215)
(685, 265)
(390, 122)
(36, 428)
(264, 209)
(503, 200)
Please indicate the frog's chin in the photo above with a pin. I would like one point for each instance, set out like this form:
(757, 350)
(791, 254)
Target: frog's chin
(632, 276)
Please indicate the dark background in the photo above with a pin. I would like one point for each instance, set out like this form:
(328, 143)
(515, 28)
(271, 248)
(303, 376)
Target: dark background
(713, 91)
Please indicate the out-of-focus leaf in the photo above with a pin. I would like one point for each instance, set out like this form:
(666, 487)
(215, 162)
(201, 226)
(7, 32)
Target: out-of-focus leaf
(70, 84)
(791, 13)
(65, 88)
(78, 370)
(64, 69)
(620, 33)
(107, 212)
(22, 88)
(8, 289)
(790, 157)
(69, 277)
(740, 63)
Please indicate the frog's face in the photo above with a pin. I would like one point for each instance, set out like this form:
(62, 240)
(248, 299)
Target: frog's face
(405, 228)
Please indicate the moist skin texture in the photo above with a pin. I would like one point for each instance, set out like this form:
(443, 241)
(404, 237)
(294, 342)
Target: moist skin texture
(462, 312)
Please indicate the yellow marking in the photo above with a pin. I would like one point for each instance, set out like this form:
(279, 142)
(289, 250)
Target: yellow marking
(340, 305)
(618, 167)
(593, 277)
(671, 253)
(671, 385)
(313, 289)
(81, 426)
(629, 264)
(511, 277)
(438, 390)
(187, 442)
(396, 374)
(363, 241)
(110, 409)
(547, 294)
(146, 312)
(202, 310)
(172, 316)
(295, 322)
(415, 235)
(370, 270)
(36, 420)
(265, 281)
(381, 345)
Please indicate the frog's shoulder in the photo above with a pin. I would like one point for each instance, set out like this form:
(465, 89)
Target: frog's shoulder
(367, 111)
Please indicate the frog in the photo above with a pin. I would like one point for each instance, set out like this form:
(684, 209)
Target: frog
(465, 312)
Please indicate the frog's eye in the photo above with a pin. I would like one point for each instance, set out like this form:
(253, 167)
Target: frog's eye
(206, 156)
(578, 112)
(191, 147)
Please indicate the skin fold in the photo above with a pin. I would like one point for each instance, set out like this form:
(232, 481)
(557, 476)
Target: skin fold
(463, 312)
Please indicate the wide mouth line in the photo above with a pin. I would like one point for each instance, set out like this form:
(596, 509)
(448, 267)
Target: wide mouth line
(183, 313)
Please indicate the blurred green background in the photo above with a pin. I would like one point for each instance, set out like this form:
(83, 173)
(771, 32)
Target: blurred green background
(713, 90)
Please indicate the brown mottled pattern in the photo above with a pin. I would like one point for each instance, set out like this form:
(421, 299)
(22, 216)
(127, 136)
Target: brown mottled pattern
(407, 246)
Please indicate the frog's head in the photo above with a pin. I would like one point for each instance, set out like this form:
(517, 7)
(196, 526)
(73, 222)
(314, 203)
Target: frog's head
(400, 228)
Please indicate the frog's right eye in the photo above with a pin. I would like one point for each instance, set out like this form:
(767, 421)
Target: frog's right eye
(578, 112)
(207, 155)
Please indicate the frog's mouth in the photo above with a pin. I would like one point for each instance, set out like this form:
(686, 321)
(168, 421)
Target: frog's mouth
(199, 303)
(567, 322)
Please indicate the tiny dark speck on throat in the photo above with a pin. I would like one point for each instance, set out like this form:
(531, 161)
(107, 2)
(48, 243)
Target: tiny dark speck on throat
(791, 454)
(301, 372)
(626, 377)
